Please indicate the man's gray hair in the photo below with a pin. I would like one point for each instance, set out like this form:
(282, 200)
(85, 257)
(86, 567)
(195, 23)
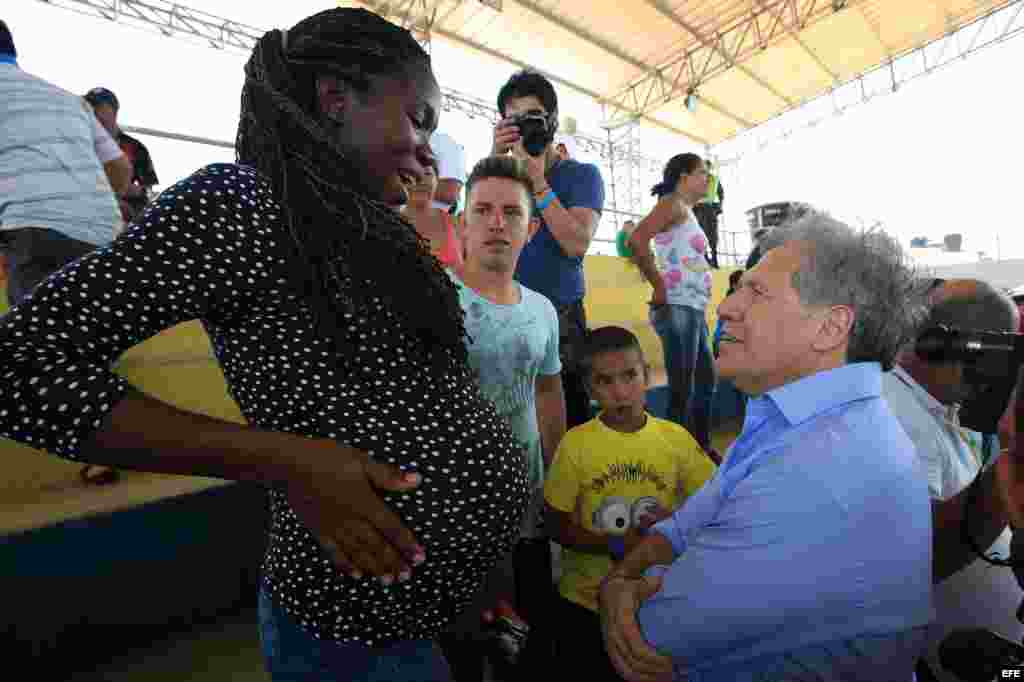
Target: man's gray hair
(864, 269)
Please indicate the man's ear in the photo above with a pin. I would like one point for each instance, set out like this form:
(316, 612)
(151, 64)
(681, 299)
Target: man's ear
(332, 96)
(835, 328)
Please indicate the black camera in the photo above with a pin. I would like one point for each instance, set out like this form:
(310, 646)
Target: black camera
(991, 362)
(535, 130)
(991, 354)
(977, 655)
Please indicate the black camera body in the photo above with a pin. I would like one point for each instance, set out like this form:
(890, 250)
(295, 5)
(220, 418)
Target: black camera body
(536, 131)
(991, 354)
(991, 362)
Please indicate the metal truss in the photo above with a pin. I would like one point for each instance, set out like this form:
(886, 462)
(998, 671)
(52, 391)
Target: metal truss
(174, 20)
(171, 19)
(991, 29)
(393, 10)
(417, 16)
(716, 52)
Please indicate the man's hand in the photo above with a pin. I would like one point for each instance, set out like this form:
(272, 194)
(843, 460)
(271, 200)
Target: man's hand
(336, 495)
(653, 516)
(632, 538)
(635, 660)
(535, 168)
(506, 136)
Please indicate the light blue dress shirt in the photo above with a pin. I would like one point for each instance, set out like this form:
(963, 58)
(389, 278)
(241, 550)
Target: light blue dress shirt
(808, 555)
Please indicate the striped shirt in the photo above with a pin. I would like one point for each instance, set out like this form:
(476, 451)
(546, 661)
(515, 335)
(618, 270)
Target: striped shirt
(51, 172)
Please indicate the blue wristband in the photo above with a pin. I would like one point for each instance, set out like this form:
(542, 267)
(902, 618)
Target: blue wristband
(546, 200)
(617, 547)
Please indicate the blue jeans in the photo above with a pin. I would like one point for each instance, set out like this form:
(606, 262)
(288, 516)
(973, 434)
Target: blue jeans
(35, 253)
(689, 365)
(294, 655)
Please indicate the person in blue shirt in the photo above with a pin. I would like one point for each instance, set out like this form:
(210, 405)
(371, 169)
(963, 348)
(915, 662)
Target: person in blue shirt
(569, 198)
(808, 555)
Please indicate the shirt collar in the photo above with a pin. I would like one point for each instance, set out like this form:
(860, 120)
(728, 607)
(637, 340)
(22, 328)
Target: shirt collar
(812, 395)
(926, 399)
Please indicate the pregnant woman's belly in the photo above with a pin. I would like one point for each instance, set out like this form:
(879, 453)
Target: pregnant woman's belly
(466, 511)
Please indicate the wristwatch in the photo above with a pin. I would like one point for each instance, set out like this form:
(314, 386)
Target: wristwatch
(617, 546)
(545, 200)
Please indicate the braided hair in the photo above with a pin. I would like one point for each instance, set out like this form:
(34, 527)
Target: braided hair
(348, 248)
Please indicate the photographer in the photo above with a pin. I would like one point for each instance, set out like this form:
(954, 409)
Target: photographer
(569, 197)
(926, 396)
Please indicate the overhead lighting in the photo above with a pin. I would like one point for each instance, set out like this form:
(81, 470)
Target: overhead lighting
(691, 101)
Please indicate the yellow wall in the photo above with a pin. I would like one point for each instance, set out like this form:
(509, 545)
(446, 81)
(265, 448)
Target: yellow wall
(617, 294)
(177, 366)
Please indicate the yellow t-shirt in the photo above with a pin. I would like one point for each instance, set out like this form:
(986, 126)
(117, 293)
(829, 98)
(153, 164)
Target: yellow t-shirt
(606, 479)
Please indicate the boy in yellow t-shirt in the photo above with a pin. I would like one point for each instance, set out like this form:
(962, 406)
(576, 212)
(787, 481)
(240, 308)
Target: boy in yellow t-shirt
(611, 479)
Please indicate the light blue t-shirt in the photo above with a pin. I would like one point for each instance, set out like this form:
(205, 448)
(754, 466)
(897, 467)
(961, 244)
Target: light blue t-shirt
(513, 345)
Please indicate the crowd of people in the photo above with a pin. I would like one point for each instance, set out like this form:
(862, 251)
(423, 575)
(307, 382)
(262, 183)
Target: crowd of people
(419, 380)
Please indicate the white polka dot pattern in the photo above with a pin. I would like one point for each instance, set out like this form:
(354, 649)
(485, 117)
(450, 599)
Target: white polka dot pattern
(213, 248)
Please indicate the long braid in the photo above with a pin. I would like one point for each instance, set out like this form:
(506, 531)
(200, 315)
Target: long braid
(348, 247)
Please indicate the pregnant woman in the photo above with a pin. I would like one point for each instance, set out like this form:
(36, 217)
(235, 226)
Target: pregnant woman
(394, 485)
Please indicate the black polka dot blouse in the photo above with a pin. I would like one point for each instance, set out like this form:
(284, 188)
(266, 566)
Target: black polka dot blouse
(213, 248)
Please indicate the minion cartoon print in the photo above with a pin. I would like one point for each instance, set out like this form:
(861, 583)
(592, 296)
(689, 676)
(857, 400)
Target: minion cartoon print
(616, 515)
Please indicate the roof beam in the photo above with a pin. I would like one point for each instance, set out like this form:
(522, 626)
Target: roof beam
(713, 44)
(418, 16)
(605, 46)
(380, 7)
(1011, 10)
(876, 32)
(795, 35)
(726, 49)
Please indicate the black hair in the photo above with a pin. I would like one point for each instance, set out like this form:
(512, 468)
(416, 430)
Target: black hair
(606, 340)
(501, 167)
(348, 248)
(678, 166)
(984, 308)
(6, 40)
(734, 279)
(98, 96)
(529, 83)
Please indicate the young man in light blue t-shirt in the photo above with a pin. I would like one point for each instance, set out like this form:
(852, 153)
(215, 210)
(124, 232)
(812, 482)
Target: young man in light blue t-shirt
(514, 350)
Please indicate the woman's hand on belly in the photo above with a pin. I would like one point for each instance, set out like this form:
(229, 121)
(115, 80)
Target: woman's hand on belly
(334, 490)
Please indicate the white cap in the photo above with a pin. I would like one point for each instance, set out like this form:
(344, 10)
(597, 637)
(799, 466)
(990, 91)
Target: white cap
(451, 161)
(450, 155)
